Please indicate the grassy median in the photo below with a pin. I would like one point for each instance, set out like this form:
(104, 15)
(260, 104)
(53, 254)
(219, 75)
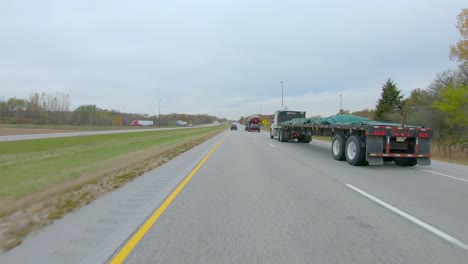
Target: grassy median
(41, 180)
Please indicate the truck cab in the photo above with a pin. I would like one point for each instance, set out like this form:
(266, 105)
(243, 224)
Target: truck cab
(282, 116)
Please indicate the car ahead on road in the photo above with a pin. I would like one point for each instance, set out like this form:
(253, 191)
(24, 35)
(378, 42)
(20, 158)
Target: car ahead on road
(234, 127)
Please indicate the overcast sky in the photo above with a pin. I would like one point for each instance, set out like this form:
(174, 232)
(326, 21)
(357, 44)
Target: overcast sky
(224, 58)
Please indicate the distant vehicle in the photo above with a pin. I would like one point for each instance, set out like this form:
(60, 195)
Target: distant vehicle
(181, 123)
(253, 123)
(142, 123)
(234, 127)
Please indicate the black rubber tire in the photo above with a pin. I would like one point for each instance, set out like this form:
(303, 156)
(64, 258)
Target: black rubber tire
(405, 161)
(305, 139)
(338, 147)
(271, 134)
(355, 154)
(280, 135)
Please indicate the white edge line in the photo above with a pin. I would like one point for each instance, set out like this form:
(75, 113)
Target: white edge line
(413, 219)
(444, 175)
(271, 145)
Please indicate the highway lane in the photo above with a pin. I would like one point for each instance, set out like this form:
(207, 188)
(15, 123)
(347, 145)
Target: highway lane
(257, 200)
(86, 133)
(425, 191)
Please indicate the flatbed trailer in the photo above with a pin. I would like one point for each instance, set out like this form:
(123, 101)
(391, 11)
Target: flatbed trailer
(366, 144)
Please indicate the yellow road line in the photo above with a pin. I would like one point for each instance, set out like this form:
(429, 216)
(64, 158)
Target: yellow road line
(135, 239)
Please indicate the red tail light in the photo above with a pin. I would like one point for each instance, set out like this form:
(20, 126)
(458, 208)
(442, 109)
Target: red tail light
(255, 121)
(423, 135)
(380, 133)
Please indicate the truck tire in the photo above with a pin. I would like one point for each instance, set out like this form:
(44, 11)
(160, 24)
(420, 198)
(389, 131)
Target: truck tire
(355, 154)
(405, 162)
(305, 139)
(338, 147)
(271, 133)
(280, 133)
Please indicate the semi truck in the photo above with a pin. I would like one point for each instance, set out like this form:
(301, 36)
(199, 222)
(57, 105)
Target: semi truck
(284, 116)
(142, 123)
(358, 140)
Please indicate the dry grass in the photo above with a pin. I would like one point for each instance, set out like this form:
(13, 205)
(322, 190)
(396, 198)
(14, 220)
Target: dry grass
(32, 213)
(456, 156)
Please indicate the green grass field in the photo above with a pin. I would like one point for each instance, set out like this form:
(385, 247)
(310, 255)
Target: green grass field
(34, 165)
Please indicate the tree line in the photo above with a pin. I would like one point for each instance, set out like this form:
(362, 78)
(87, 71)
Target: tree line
(442, 106)
(54, 109)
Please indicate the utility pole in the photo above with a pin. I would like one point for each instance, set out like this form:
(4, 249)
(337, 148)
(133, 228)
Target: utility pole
(159, 114)
(281, 94)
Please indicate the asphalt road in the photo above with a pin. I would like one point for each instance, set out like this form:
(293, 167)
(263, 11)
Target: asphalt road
(257, 200)
(86, 133)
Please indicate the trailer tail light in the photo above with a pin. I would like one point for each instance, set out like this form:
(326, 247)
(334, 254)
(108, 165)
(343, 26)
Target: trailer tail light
(423, 135)
(401, 135)
(380, 133)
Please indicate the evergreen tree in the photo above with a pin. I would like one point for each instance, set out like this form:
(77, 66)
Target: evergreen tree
(390, 100)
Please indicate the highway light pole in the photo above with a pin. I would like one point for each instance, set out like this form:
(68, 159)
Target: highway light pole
(281, 94)
(159, 114)
(341, 103)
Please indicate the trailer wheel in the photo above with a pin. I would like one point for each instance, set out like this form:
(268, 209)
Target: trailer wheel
(304, 139)
(355, 154)
(338, 147)
(405, 162)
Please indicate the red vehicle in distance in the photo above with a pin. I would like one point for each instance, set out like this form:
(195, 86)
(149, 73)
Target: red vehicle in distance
(253, 123)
